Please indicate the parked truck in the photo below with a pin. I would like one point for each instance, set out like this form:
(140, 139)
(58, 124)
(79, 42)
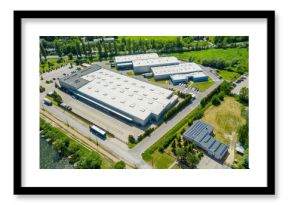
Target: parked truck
(98, 132)
(47, 101)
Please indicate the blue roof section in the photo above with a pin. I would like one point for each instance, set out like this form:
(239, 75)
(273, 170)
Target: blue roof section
(200, 134)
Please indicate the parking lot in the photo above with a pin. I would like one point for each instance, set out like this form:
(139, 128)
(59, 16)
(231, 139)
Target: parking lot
(240, 83)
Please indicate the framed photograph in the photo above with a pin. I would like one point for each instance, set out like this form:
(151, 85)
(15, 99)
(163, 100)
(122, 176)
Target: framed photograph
(144, 102)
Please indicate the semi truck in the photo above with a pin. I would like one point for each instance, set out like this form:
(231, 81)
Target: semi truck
(47, 101)
(98, 132)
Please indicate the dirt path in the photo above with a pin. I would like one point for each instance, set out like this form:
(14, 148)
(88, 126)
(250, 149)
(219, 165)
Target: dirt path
(80, 137)
(233, 140)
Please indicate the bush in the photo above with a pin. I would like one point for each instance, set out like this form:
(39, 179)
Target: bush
(120, 165)
(173, 111)
(131, 139)
(215, 101)
(42, 89)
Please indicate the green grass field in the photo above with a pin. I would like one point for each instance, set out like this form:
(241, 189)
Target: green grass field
(130, 73)
(158, 38)
(230, 54)
(202, 86)
(161, 160)
(158, 81)
(228, 75)
(225, 118)
(45, 68)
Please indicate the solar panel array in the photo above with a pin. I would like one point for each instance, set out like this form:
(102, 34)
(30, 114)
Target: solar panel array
(200, 134)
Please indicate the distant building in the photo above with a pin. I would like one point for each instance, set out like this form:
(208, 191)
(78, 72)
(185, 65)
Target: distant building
(108, 40)
(145, 65)
(126, 62)
(201, 134)
(50, 49)
(184, 78)
(97, 40)
(239, 148)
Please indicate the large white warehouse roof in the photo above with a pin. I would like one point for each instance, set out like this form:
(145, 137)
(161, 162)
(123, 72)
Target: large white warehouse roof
(155, 62)
(131, 96)
(176, 69)
(130, 58)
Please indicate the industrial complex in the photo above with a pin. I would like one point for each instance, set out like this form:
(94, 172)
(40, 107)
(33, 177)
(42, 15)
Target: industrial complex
(131, 99)
(201, 134)
(162, 68)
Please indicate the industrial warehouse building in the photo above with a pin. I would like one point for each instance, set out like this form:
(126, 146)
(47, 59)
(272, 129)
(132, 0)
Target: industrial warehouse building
(164, 72)
(128, 98)
(144, 66)
(184, 78)
(126, 62)
(180, 73)
(201, 134)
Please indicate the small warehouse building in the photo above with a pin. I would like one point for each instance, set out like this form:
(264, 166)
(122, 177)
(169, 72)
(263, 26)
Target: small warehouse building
(144, 66)
(164, 72)
(201, 134)
(126, 62)
(184, 78)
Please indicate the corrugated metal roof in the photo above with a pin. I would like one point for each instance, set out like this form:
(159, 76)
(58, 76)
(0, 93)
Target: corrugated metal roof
(199, 133)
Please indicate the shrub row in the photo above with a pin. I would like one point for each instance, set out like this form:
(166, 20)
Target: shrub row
(173, 111)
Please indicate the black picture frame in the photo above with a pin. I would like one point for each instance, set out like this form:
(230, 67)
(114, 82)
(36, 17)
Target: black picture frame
(268, 190)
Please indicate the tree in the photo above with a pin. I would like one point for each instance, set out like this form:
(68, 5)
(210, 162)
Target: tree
(70, 56)
(120, 165)
(244, 95)
(243, 133)
(58, 49)
(42, 89)
(131, 139)
(115, 48)
(42, 50)
(221, 95)
(215, 101)
(59, 145)
(91, 161)
(192, 160)
(180, 153)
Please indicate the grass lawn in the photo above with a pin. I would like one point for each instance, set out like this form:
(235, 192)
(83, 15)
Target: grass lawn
(202, 86)
(130, 73)
(238, 161)
(158, 81)
(45, 68)
(159, 38)
(226, 118)
(130, 145)
(229, 75)
(230, 54)
(161, 160)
